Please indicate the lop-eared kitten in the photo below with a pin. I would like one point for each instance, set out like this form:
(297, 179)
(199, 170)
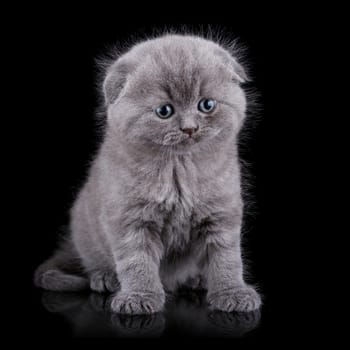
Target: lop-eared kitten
(162, 205)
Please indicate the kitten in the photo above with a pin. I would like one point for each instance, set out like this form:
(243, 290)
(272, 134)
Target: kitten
(162, 207)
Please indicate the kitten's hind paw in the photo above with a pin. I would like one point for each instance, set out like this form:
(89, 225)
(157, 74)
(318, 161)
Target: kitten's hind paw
(241, 298)
(138, 303)
(102, 281)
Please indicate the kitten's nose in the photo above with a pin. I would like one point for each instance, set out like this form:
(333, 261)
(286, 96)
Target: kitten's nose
(189, 131)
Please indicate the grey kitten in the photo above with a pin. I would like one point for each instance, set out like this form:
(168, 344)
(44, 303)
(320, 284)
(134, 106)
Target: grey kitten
(162, 205)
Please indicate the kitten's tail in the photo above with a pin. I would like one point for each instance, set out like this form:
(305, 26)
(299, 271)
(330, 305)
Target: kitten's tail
(62, 272)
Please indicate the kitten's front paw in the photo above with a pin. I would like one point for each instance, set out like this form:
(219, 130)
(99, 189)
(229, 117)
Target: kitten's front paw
(138, 303)
(241, 298)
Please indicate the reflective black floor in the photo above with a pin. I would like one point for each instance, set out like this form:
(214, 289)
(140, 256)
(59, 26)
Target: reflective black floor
(186, 314)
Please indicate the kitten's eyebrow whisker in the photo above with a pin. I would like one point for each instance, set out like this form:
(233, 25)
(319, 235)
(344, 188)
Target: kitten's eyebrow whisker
(233, 106)
(167, 90)
(227, 104)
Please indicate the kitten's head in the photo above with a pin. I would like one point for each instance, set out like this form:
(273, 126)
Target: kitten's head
(175, 92)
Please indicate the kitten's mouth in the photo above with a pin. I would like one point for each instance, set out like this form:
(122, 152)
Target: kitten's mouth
(179, 139)
(189, 139)
(184, 140)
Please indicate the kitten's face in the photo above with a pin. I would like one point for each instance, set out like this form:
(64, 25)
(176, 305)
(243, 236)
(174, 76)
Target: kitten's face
(180, 95)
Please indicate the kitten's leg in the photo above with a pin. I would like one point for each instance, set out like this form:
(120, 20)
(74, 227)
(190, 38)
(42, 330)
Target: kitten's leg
(137, 255)
(227, 290)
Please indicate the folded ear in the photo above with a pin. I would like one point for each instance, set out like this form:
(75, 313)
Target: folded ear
(115, 79)
(237, 70)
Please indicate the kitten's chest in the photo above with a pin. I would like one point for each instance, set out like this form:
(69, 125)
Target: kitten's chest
(175, 186)
(179, 198)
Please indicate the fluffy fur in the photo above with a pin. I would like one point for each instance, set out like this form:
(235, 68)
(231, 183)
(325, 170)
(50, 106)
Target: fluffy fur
(161, 209)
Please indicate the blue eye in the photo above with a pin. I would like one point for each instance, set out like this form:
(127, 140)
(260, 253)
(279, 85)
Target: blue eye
(165, 111)
(206, 105)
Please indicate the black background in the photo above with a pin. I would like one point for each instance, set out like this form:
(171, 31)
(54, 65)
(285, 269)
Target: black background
(56, 100)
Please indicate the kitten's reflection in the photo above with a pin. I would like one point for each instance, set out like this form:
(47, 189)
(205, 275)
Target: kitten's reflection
(185, 314)
(189, 313)
(90, 316)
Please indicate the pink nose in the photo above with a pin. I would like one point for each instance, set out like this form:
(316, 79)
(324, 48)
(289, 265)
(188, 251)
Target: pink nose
(189, 131)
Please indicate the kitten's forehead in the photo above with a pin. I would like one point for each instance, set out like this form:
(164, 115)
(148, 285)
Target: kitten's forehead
(178, 74)
(181, 66)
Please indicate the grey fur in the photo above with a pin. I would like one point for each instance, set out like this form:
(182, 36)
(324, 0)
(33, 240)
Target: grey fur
(160, 209)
